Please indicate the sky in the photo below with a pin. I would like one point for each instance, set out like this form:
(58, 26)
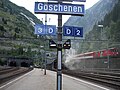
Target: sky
(51, 19)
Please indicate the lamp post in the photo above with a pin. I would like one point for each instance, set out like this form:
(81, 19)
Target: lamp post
(45, 44)
(108, 58)
(101, 27)
(42, 57)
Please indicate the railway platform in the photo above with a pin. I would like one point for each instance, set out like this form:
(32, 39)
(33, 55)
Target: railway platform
(36, 80)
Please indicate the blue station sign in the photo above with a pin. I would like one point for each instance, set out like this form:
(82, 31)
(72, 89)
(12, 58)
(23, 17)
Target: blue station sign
(68, 31)
(78, 31)
(45, 29)
(59, 8)
(40, 29)
(70, 0)
(72, 31)
(51, 30)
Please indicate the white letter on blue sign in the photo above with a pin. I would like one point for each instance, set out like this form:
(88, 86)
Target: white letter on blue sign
(46, 7)
(40, 6)
(55, 8)
(39, 30)
(68, 31)
(80, 9)
(78, 32)
(50, 7)
(65, 8)
(75, 9)
(50, 30)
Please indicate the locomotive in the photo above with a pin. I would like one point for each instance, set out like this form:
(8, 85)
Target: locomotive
(111, 52)
(97, 59)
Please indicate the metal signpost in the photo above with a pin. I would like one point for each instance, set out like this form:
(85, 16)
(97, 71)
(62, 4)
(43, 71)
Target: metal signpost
(59, 52)
(60, 9)
(45, 43)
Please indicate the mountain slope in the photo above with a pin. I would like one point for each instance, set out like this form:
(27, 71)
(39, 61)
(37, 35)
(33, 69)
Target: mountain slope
(13, 22)
(16, 29)
(110, 33)
(92, 15)
(110, 38)
(111, 29)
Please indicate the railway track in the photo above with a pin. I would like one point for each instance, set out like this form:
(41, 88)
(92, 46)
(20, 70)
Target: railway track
(4, 68)
(108, 79)
(10, 73)
(7, 70)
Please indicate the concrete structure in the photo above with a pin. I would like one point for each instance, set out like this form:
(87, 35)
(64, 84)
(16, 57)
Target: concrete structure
(18, 61)
(36, 80)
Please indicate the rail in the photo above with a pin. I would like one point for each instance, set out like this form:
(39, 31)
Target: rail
(8, 74)
(108, 79)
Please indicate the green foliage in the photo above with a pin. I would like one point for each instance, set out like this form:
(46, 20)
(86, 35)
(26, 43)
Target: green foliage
(92, 15)
(14, 23)
(2, 61)
(110, 31)
(16, 27)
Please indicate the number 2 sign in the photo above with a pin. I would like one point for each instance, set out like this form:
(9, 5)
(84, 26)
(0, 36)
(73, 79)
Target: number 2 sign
(78, 31)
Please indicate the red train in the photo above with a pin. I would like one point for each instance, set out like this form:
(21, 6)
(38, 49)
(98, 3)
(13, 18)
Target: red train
(113, 52)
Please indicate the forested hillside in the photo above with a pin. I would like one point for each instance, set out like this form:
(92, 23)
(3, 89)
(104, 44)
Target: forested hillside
(107, 36)
(16, 27)
(16, 21)
(92, 15)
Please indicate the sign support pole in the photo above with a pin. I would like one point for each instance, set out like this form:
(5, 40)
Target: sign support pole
(60, 12)
(45, 43)
(59, 52)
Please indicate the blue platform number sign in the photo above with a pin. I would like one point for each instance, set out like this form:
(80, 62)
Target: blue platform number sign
(45, 29)
(51, 30)
(68, 31)
(40, 29)
(78, 31)
(72, 31)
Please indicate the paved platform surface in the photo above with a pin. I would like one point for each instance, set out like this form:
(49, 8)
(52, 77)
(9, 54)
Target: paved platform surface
(36, 80)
